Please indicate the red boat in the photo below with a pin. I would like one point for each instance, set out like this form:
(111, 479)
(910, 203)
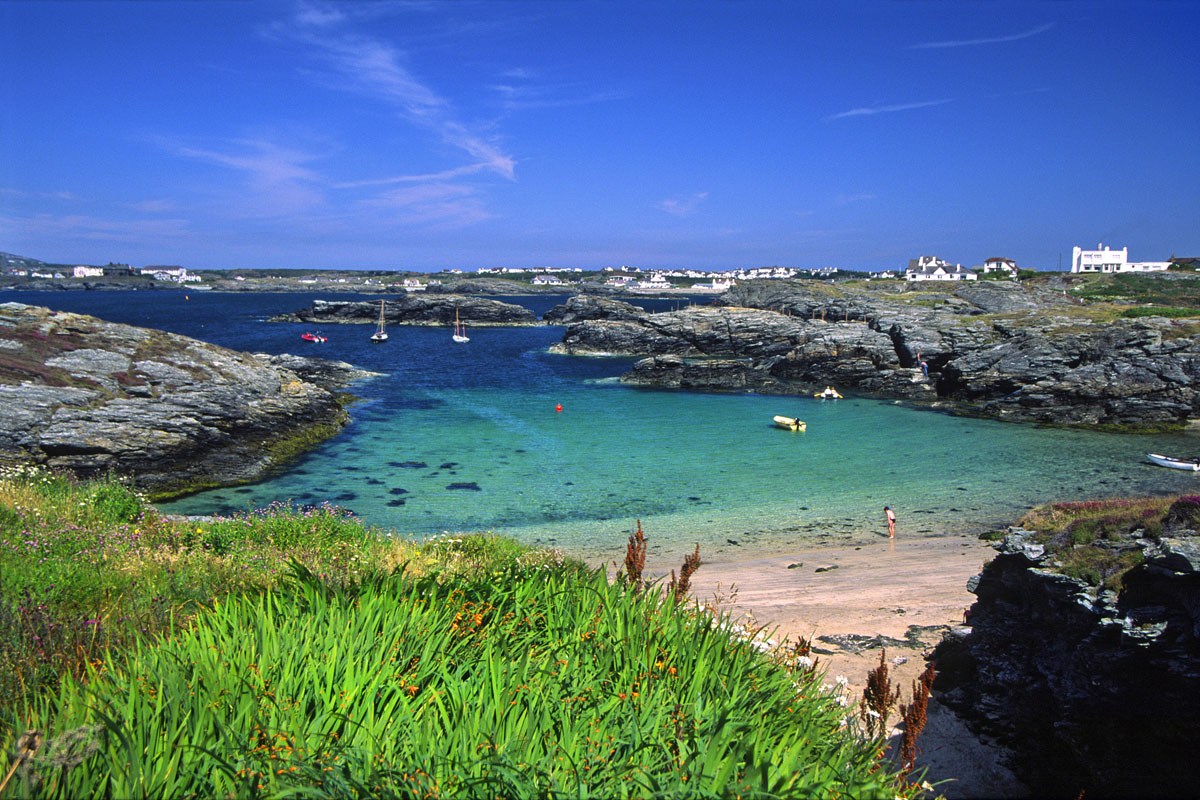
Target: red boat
(313, 337)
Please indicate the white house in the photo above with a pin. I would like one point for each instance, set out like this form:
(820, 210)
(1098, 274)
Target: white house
(1004, 265)
(1105, 259)
(178, 274)
(413, 285)
(548, 280)
(932, 268)
(715, 285)
(87, 272)
(656, 282)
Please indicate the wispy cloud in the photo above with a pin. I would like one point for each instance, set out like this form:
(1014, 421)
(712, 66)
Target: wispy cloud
(681, 206)
(274, 174)
(520, 91)
(159, 206)
(22, 193)
(95, 228)
(868, 111)
(376, 69)
(444, 175)
(1016, 37)
(847, 199)
(438, 205)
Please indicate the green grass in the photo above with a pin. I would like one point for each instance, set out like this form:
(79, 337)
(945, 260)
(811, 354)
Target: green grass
(1160, 311)
(1095, 541)
(1130, 288)
(294, 652)
(88, 566)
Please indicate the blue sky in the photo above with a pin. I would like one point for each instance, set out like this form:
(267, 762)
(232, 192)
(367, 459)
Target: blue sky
(427, 135)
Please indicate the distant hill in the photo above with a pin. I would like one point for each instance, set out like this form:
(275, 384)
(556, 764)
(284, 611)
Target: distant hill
(13, 261)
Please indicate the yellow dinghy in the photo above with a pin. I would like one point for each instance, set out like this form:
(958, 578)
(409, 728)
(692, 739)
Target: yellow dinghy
(791, 423)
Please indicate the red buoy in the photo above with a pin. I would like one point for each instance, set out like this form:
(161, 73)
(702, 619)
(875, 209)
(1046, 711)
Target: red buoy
(558, 407)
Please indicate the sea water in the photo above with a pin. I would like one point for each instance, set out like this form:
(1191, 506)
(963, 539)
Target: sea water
(468, 437)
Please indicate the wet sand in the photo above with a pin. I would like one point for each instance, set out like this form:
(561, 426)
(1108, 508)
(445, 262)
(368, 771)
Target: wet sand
(849, 601)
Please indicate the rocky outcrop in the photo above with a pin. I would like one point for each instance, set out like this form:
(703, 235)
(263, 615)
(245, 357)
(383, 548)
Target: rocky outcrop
(414, 309)
(987, 348)
(588, 307)
(1098, 691)
(172, 413)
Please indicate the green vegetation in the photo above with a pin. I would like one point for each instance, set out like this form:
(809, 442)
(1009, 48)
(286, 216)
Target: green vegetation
(1131, 288)
(1093, 541)
(294, 652)
(1160, 311)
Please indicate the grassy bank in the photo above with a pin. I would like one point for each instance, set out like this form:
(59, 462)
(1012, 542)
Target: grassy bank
(293, 651)
(1098, 541)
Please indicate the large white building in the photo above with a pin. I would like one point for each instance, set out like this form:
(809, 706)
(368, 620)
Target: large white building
(1105, 259)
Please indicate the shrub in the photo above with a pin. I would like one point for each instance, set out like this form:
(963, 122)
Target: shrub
(114, 503)
(1184, 513)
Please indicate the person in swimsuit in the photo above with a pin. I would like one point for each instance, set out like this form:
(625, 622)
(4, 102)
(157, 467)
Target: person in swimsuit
(891, 520)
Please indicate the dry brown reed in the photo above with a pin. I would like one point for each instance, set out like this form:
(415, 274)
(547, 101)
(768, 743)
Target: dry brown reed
(691, 563)
(635, 560)
(914, 719)
(879, 698)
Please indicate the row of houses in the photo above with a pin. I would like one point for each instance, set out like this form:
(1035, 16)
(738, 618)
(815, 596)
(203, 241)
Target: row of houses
(1103, 259)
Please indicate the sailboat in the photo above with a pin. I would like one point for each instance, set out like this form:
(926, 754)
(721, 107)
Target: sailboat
(379, 336)
(460, 330)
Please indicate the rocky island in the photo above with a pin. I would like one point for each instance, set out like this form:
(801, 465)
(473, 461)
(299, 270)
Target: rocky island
(414, 309)
(173, 414)
(1002, 350)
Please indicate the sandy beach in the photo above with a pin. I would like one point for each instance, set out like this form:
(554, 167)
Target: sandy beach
(852, 600)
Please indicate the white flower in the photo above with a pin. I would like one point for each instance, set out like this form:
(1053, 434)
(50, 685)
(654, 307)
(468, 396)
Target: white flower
(841, 681)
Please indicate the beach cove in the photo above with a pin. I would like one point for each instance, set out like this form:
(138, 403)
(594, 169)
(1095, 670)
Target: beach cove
(458, 438)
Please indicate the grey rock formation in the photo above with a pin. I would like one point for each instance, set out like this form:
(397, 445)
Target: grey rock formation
(172, 413)
(589, 307)
(1098, 691)
(993, 349)
(415, 309)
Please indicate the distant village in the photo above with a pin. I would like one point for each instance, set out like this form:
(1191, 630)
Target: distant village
(1103, 260)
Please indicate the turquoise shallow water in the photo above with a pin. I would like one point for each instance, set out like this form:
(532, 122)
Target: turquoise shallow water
(466, 437)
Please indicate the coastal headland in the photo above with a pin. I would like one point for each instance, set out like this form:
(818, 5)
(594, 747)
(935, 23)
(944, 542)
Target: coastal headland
(172, 413)
(1002, 350)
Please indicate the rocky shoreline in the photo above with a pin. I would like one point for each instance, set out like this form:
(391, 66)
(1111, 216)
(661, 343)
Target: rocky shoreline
(1096, 691)
(997, 350)
(173, 414)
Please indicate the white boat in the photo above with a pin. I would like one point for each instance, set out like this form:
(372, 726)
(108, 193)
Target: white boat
(460, 330)
(829, 393)
(379, 336)
(791, 423)
(1192, 464)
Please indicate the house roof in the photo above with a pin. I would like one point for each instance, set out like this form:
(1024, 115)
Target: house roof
(929, 269)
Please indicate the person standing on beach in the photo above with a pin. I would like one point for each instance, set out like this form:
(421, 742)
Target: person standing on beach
(891, 519)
